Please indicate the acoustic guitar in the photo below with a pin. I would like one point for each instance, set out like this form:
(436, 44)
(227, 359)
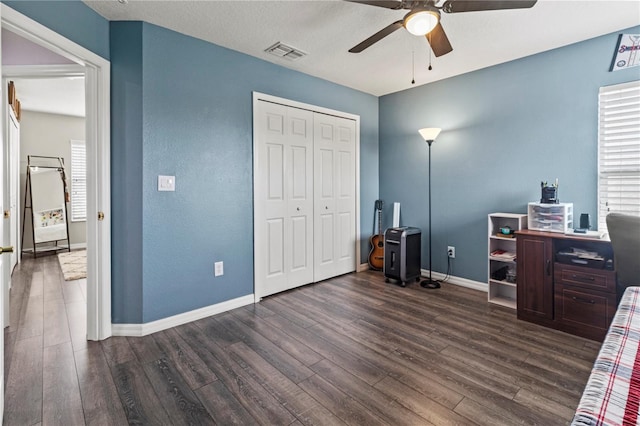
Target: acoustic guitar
(376, 255)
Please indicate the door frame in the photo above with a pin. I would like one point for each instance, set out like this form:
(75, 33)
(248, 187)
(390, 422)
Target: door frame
(97, 71)
(257, 96)
(8, 116)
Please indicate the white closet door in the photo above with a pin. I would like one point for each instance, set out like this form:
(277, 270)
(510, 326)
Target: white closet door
(334, 196)
(283, 198)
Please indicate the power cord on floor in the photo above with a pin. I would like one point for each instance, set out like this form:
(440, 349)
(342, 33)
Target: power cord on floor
(433, 284)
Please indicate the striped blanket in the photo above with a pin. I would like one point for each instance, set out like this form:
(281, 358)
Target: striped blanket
(612, 394)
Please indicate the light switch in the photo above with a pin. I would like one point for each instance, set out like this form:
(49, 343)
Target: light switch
(166, 183)
(218, 269)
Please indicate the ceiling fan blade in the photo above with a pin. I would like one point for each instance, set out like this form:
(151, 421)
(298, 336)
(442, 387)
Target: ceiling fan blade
(456, 6)
(376, 37)
(387, 4)
(439, 41)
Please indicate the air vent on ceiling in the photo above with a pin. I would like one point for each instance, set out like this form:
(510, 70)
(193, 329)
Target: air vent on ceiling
(283, 51)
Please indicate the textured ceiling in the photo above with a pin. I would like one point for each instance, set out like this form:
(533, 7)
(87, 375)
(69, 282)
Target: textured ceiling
(326, 30)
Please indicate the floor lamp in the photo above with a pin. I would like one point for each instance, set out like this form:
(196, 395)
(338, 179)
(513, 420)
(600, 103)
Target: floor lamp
(429, 134)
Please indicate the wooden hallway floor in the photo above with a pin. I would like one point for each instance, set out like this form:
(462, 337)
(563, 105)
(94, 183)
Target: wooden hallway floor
(350, 350)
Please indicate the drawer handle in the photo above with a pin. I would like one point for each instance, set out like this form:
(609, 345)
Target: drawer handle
(582, 277)
(548, 267)
(577, 299)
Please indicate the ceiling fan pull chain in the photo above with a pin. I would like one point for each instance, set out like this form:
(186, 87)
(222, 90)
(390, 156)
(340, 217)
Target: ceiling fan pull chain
(430, 48)
(413, 67)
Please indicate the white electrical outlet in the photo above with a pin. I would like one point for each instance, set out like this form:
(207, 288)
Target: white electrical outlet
(451, 252)
(218, 269)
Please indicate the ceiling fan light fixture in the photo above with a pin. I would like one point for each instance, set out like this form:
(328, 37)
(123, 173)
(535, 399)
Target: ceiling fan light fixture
(420, 22)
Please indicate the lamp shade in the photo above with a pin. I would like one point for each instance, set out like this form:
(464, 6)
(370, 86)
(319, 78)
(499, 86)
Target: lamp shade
(429, 133)
(422, 21)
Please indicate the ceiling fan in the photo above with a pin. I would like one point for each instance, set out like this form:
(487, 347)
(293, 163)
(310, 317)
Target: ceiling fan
(423, 18)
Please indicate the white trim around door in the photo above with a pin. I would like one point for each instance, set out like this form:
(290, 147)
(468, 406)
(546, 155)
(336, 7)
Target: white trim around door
(97, 93)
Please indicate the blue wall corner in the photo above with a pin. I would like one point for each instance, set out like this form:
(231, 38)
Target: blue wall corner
(505, 129)
(126, 172)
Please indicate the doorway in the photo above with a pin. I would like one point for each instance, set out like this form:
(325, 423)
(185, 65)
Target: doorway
(51, 126)
(96, 72)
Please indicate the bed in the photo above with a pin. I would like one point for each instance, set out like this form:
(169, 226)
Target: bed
(612, 394)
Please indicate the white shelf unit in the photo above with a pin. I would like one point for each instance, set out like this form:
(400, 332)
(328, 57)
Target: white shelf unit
(502, 291)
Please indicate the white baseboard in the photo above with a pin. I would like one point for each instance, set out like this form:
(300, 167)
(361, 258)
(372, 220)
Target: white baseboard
(459, 281)
(138, 330)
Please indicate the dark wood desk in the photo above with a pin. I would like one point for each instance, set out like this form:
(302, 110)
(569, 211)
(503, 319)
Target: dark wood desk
(570, 294)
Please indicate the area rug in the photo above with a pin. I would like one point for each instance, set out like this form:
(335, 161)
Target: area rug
(73, 264)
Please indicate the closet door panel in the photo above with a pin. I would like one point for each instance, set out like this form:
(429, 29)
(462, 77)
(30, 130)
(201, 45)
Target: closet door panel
(325, 129)
(299, 211)
(344, 244)
(325, 239)
(346, 175)
(271, 229)
(324, 194)
(275, 248)
(334, 237)
(300, 242)
(345, 196)
(299, 178)
(275, 172)
(299, 170)
(283, 198)
(325, 175)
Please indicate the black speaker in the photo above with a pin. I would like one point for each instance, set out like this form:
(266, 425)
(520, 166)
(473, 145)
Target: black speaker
(585, 221)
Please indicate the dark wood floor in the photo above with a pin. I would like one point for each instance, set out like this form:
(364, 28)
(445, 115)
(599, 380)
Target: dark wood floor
(351, 350)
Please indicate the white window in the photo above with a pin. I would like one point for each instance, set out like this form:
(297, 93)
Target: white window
(618, 151)
(78, 181)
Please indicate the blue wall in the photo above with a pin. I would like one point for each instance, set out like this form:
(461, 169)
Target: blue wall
(183, 107)
(126, 171)
(72, 19)
(505, 129)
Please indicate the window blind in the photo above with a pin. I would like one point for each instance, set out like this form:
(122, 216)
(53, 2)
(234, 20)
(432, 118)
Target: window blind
(618, 151)
(78, 181)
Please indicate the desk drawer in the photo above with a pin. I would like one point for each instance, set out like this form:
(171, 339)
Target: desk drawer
(595, 279)
(584, 312)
